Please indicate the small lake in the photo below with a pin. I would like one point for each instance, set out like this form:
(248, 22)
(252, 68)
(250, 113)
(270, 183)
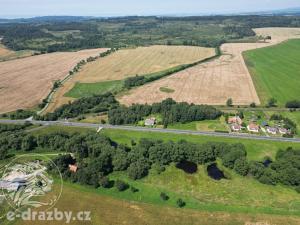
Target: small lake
(214, 172)
(267, 162)
(188, 167)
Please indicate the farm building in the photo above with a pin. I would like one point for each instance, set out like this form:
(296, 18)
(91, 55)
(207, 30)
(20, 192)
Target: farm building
(150, 122)
(253, 128)
(272, 130)
(236, 127)
(235, 120)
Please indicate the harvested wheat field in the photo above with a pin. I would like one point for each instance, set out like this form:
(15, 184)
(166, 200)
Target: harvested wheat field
(25, 82)
(129, 62)
(212, 82)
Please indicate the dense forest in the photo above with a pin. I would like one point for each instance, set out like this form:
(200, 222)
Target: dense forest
(50, 35)
(97, 156)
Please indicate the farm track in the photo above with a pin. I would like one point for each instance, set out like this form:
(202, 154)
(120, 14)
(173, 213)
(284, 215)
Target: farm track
(25, 82)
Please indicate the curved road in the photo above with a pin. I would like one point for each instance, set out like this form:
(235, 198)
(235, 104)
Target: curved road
(160, 130)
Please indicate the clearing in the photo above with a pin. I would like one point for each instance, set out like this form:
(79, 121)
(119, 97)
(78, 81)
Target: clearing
(276, 71)
(127, 63)
(25, 82)
(215, 81)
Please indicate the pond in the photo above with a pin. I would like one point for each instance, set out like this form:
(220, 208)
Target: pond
(267, 162)
(214, 172)
(188, 167)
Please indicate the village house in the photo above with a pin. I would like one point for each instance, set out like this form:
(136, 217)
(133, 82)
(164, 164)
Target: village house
(272, 130)
(73, 168)
(283, 131)
(150, 121)
(235, 120)
(253, 128)
(236, 127)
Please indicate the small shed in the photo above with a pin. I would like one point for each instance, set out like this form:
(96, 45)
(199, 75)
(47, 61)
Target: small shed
(150, 122)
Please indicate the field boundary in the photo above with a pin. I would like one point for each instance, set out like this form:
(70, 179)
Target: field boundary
(151, 77)
(68, 77)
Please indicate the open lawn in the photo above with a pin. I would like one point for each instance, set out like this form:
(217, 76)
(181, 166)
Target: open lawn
(128, 63)
(25, 82)
(276, 71)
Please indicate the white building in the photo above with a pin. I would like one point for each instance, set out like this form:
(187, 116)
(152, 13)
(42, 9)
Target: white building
(272, 130)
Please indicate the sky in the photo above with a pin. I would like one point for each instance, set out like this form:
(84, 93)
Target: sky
(31, 8)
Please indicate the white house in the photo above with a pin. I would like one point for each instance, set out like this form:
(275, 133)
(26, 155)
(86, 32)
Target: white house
(272, 130)
(150, 122)
(236, 127)
(283, 131)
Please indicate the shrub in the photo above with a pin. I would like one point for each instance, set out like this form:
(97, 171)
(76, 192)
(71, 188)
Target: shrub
(180, 203)
(121, 185)
(272, 102)
(134, 190)
(241, 166)
(164, 196)
(253, 105)
(105, 182)
(293, 104)
(229, 102)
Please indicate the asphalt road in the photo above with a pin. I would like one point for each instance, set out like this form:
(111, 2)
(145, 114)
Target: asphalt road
(159, 130)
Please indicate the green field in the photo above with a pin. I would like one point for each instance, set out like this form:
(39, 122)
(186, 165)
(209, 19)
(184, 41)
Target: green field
(276, 71)
(86, 90)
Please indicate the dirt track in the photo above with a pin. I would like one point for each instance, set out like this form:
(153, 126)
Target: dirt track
(25, 82)
(213, 82)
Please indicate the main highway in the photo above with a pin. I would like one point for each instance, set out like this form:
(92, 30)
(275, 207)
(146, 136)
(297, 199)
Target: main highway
(158, 130)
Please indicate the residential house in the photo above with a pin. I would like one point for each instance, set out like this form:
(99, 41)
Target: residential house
(272, 130)
(253, 128)
(236, 127)
(235, 120)
(150, 122)
(283, 131)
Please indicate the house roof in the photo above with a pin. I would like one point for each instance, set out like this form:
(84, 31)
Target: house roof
(235, 119)
(253, 126)
(73, 168)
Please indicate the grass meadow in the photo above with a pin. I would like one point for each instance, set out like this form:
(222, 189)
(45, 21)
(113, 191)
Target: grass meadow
(276, 71)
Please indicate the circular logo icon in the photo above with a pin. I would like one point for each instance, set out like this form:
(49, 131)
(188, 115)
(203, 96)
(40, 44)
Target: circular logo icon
(27, 183)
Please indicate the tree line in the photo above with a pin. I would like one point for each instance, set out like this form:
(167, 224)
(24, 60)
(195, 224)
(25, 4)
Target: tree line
(170, 110)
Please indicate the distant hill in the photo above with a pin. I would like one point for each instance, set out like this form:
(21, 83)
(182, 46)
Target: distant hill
(43, 19)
